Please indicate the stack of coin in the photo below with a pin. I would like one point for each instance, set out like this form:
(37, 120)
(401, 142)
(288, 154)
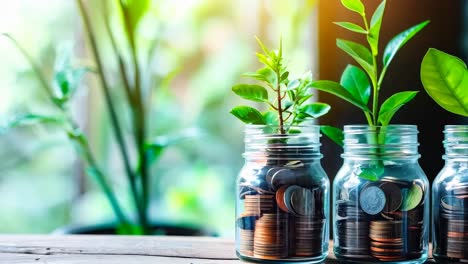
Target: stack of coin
(308, 236)
(258, 204)
(271, 237)
(246, 242)
(454, 222)
(353, 230)
(387, 242)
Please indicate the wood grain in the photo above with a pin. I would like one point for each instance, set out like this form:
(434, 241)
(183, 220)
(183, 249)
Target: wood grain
(28, 249)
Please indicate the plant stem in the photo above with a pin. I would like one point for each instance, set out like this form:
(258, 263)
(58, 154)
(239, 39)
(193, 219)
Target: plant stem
(110, 104)
(279, 98)
(36, 68)
(375, 100)
(97, 174)
(126, 83)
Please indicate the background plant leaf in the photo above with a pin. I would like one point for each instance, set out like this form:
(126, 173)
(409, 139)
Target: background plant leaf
(357, 83)
(354, 5)
(333, 133)
(393, 104)
(339, 91)
(399, 41)
(248, 115)
(133, 11)
(31, 119)
(445, 79)
(251, 92)
(315, 110)
(351, 27)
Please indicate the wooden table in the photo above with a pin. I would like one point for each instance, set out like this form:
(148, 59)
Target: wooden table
(117, 250)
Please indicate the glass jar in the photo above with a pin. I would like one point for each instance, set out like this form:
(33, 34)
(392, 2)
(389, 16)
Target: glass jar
(282, 197)
(381, 197)
(450, 199)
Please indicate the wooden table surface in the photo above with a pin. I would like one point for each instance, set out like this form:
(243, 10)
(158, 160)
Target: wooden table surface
(27, 249)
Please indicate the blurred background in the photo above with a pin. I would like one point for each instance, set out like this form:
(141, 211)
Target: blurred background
(200, 48)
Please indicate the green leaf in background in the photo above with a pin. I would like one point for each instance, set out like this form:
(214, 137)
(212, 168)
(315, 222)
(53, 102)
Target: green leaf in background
(271, 118)
(445, 79)
(399, 41)
(338, 90)
(354, 5)
(293, 85)
(133, 11)
(248, 115)
(351, 27)
(156, 146)
(30, 120)
(358, 52)
(375, 25)
(315, 110)
(356, 82)
(333, 133)
(393, 104)
(251, 92)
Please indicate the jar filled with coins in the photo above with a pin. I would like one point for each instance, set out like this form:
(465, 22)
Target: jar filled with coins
(380, 197)
(282, 197)
(450, 199)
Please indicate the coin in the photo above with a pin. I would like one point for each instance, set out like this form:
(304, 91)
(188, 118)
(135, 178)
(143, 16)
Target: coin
(281, 177)
(302, 201)
(372, 200)
(413, 198)
(392, 195)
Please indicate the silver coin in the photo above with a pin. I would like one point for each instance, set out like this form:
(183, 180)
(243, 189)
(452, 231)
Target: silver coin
(302, 201)
(372, 200)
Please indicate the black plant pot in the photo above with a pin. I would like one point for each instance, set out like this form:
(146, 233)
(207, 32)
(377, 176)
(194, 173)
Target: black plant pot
(158, 228)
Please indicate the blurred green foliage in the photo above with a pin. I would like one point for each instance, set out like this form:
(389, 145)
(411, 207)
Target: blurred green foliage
(198, 50)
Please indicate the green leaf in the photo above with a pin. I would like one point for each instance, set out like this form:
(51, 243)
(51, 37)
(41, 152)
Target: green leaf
(339, 91)
(372, 173)
(248, 115)
(133, 11)
(354, 5)
(251, 92)
(263, 47)
(156, 146)
(304, 99)
(315, 110)
(445, 79)
(32, 119)
(264, 75)
(294, 84)
(412, 198)
(393, 104)
(399, 41)
(351, 27)
(375, 25)
(357, 83)
(271, 118)
(269, 76)
(333, 133)
(358, 52)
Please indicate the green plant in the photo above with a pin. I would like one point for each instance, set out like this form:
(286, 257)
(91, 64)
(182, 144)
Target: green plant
(445, 79)
(66, 80)
(358, 85)
(287, 99)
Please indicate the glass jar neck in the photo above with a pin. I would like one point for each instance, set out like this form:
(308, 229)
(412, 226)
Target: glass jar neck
(393, 142)
(456, 143)
(264, 143)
